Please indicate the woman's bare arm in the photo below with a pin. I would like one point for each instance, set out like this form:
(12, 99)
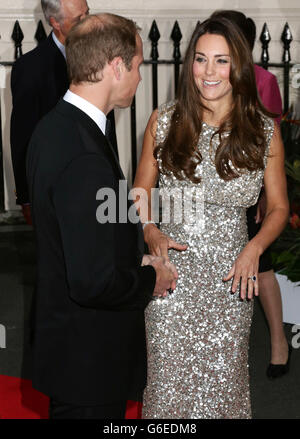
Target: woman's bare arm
(277, 211)
(145, 180)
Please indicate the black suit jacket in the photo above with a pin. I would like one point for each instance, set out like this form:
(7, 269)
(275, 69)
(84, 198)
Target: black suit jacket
(38, 80)
(89, 340)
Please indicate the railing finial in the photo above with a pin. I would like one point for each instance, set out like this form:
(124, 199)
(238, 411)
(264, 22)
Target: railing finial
(154, 36)
(286, 38)
(17, 36)
(265, 39)
(197, 24)
(40, 34)
(176, 36)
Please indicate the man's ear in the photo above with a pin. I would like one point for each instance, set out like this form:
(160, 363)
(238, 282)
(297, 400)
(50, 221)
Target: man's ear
(117, 65)
(54, 23)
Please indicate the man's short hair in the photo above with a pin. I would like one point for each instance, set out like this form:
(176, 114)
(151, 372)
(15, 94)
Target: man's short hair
(52, 8)
(97, 40)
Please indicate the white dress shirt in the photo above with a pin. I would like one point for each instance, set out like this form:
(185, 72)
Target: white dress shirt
(91, 110)
(59, 45)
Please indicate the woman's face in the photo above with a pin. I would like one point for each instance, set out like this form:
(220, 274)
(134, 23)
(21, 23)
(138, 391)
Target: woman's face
(211, 69)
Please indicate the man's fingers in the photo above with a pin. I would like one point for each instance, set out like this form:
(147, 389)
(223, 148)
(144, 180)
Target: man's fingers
(173, 273)
(176, 246)
(172, 268)
(155, 251)
(164, 251)
(168, 275)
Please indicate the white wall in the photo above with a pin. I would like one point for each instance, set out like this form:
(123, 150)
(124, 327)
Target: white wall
(165, 12)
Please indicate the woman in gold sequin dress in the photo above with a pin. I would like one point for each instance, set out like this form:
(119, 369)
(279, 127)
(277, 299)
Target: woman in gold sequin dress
(215, 144)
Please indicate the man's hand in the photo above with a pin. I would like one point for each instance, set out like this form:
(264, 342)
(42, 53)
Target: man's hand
(27, 213)
(166, 274)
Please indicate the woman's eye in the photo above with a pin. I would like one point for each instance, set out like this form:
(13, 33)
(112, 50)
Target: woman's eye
(200, 59)
(223, 61)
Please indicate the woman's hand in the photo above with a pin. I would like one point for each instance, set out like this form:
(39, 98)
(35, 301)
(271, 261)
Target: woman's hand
(245, 271)
(159, 243)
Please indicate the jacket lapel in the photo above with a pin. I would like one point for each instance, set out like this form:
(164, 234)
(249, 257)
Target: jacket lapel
(100, 141)
(90, 131)
(88, 126)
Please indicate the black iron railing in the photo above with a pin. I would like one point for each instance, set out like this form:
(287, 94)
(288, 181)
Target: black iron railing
(286, 38)
(155, 61)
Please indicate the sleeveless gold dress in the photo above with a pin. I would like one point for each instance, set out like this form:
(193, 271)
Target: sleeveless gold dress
(197, 338)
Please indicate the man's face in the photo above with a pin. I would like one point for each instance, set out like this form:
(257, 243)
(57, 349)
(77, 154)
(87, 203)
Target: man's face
(131, 78)
(72, 12)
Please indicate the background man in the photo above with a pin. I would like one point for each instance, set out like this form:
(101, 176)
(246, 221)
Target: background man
(89, 341)
(39, 79)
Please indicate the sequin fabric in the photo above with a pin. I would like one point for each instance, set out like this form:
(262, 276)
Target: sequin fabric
(197, 338)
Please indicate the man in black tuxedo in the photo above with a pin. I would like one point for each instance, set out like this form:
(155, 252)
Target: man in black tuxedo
(93, 281)
(39, 79)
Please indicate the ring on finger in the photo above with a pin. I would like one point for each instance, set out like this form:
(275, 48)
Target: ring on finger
(253, 278)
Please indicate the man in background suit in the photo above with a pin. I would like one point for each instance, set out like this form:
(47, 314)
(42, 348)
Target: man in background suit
(93, 281)
(39, 79)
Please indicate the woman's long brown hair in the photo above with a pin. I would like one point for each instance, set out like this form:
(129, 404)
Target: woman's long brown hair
(245, 145)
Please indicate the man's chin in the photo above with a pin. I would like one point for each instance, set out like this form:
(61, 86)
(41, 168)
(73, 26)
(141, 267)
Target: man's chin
(124, 104)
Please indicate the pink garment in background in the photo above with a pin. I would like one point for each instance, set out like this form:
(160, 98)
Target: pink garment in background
(268, 91)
